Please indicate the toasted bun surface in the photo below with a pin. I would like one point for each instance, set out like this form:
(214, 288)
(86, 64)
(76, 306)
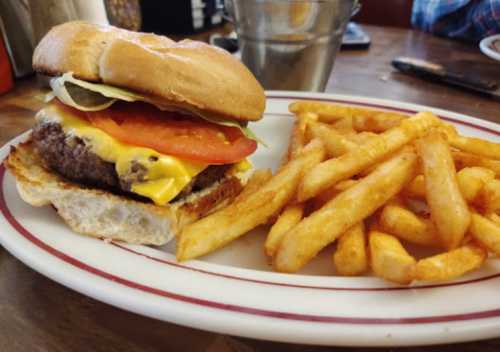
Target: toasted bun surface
(101, 214)
(187, 74)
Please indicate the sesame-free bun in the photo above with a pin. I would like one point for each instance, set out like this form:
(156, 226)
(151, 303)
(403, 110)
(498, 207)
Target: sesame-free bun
(186, 75)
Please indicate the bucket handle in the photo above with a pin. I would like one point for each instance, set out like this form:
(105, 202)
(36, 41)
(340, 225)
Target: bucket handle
(225, 9)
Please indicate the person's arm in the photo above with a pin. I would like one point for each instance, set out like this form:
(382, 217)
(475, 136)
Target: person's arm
(460, 19)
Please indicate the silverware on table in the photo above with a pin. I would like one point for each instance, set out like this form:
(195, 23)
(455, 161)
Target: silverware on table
(440, 73)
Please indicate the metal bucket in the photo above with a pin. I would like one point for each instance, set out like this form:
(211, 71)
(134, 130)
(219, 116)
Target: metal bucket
(290, 44)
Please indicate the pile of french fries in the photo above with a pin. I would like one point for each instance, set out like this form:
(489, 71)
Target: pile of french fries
(372, 182)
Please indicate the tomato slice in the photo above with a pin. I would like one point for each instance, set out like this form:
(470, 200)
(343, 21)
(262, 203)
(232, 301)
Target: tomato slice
(173, 133)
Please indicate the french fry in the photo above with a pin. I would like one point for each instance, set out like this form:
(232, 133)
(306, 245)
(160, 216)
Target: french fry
(389, 259)
(323, 198)
(326, 112)
(471, 180)
(330, 193)
(365, 119)
(449, 211)
(298, 138)
(329, 172)
(467, 160)
(489, 197)
(335, 143)
(372, 173)
(227, 224)
(258, 178)
(475, 146)
(290, 217)
(347, 209)
(448, 129)
(379, 121)
(416, 188)
(362, 137)
(350, 257)
(296, 142)
(344, 126)
(486, 232)
(343, 185)
(450, 265)
(404, 224)
(494, 217)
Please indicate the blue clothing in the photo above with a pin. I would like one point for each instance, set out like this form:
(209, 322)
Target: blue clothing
(470, 20)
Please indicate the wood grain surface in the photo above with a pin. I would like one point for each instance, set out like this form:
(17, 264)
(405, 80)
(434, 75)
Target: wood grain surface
(37, 314)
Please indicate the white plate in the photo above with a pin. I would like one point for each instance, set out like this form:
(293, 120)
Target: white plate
(233, 291)
(490, 46)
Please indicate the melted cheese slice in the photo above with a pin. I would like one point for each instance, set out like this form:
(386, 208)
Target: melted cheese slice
(164, 176)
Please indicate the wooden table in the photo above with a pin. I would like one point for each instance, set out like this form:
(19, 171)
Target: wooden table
(37, 314)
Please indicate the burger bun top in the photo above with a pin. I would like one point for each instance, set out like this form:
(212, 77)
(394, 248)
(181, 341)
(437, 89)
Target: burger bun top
(188, 75)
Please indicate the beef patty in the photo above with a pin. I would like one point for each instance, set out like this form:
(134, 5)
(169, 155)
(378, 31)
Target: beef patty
(72, 158)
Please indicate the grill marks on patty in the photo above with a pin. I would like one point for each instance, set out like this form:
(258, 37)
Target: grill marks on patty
(73, 159)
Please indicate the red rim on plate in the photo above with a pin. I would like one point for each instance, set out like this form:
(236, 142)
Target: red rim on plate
(251, 310)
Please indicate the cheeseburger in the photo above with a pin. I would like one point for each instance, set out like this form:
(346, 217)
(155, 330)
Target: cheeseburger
(140, 134)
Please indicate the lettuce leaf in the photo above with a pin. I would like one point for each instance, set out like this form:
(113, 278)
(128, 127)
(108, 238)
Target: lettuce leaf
(87, 96)
(229, 123)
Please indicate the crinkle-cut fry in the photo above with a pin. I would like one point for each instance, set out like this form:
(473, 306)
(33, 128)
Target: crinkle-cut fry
(229, 223)
(350, 257)
(329, 172)
(291, 216)
(389, 259)
(486, 232)
(335, 143)
(463, 159)
(451, 265)
(404, 224)
(475, 146)
(471, 180)
(416, 188)
(347, 209)
(449, 211)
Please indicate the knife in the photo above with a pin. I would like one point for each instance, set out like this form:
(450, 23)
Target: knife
(436, 72)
